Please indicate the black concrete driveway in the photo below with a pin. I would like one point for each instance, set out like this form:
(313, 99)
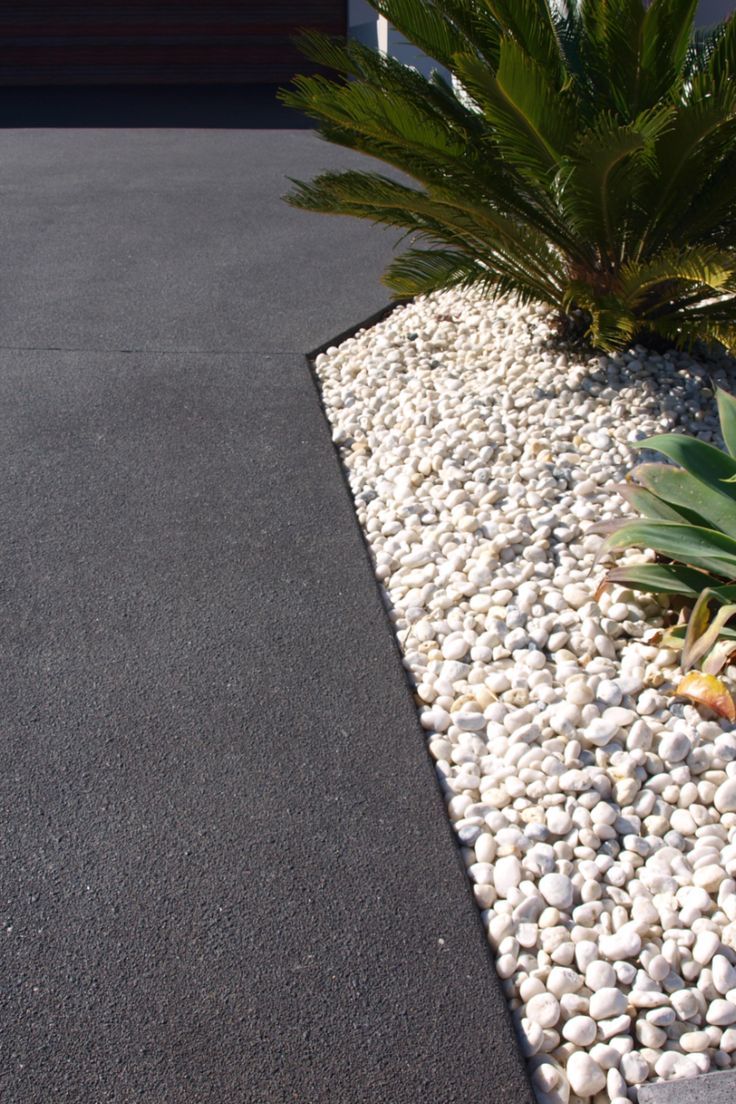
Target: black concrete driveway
(226, 871)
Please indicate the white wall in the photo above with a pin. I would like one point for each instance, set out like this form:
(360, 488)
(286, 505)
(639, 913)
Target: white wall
(363, 23)
(713, 11)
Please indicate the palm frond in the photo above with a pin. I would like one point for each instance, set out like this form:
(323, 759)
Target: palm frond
(531, 25)
(701, 135)
(600, 182)
(532, 125)
(440, 30)
(667, 31)
(719, 62)
(703, 270)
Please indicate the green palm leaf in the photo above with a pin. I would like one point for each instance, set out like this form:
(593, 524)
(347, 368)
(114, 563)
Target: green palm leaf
(443, 29)
(600, 180)
(533, 125)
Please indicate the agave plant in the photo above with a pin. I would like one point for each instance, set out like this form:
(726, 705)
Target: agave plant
(584, 156)
(688, 517)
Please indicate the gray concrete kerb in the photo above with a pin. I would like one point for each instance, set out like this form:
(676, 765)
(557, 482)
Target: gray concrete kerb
(711, 1088)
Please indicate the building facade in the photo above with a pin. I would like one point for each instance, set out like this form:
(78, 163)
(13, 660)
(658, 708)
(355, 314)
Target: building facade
(189, 41)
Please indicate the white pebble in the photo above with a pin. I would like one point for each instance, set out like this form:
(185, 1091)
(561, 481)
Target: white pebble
(557, 890)
(585, 1076)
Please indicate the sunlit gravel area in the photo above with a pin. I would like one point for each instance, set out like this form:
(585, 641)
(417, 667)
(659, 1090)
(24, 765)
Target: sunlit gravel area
(595, 809)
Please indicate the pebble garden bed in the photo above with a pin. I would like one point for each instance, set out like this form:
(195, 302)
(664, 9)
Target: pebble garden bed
(595, 809)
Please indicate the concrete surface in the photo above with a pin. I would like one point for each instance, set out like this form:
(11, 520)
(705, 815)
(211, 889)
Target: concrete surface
(225, 868)
(713, 1088)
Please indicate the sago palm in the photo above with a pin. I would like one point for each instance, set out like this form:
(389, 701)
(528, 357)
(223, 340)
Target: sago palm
(584, 156)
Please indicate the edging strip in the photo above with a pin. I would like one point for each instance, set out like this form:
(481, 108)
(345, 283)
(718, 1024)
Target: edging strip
(711, 1088)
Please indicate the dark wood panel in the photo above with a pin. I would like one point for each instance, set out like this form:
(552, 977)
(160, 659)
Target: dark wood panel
(158, 41)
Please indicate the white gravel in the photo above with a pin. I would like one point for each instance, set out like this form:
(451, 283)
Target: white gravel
(596, 812)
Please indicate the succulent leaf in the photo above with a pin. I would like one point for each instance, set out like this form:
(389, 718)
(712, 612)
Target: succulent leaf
(689, 544)
(727, 414)
(702, 504)
(703, 461)
(703, 630)
(700, 546)
(661, 579)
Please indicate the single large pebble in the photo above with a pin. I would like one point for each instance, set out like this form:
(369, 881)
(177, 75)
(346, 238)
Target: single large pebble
(682, 822)
(507, 874)
(485, 848)
(690, 1065)
(562, 980)
(557, 890)
(575, 595)
(579, 693)
(455, 646)
(721, 1013)
(540, 859)
(497, 682)
(606, 1003)
(559, 821)
(585, 1076)
(725, 796)
(580, 1030)
(649, 1035)
(606, 1055)
(609, 692)
(453, 671)
(648, 702)
(619, 716)
(686, 1003)
(728, 1040)
(706, 945)
(600, 731)
(610, 1029)
(544, 1009)
(481, 873)
(468, 722)
(506, 965)
(550, 1084)
(674, 747)
(724, 974)
(647, 998)
(658, 967)
(709, 877)
(586, 952)
(625, 943)
(616, 1085)
(564, 717)
(441, 749)
(599, 975)
(634, 1068)
(693, 1042)
(665, 1066)
(672, 1066)
(531, 1036)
